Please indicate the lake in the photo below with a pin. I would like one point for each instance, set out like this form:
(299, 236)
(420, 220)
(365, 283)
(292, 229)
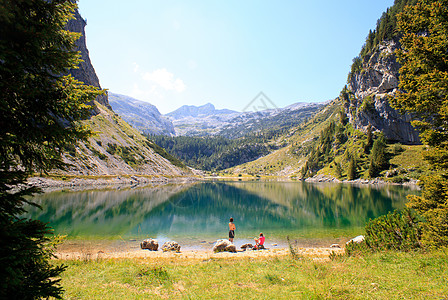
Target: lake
(197, 214)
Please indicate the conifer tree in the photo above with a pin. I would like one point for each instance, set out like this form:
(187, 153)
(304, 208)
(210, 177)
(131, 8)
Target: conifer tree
(378, 159)
(352, 169)
(424, 94)
(40, 110)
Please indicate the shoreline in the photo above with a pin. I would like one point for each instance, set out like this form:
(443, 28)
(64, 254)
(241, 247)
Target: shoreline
(113, 249)
(112, 181)
(104, 182)
(319, 253)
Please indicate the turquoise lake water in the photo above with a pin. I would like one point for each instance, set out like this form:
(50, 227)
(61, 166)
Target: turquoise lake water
(198, 213)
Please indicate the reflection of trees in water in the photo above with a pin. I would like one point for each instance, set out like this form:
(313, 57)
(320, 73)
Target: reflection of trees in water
(105, 212)
(207, 207)
(330, 204)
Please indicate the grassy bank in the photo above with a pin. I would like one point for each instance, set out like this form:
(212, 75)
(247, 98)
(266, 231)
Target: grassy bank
(379, 276)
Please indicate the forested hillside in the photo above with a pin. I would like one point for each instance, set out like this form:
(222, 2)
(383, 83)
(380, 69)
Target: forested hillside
(358, 135)
(217, 152)
(243, 138)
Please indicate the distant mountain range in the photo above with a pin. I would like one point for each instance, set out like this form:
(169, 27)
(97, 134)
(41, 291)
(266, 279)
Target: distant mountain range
(206, 120)
(143, 116)
(208, 109)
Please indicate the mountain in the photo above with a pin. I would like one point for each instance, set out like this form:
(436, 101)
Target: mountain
(369, 90)
(374, 78)
(244, 137)
(143, 116)
(115, 148)
(201, 121)
(343, 133)
(208, 109)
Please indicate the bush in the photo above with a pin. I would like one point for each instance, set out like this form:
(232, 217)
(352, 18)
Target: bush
(394, 231)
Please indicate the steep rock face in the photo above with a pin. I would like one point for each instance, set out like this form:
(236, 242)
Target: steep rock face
(85, 72)
(115, 148)
(370, 89)
(143, 116)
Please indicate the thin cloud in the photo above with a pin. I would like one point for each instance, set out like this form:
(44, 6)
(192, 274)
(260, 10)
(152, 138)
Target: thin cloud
(165, 79)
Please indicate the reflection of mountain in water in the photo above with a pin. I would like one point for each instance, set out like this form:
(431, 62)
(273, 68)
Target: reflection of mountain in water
(203, 209)
(98, 213)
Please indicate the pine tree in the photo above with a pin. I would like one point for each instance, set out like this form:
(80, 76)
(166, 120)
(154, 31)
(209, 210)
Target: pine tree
(378, 160)
(352, 169)
(40, 112)
(424, 94)
(369, 143)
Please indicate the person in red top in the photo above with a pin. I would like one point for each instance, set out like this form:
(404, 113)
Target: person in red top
(259, 243)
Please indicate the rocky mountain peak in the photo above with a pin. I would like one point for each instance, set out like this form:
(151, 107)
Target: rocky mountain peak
(369, 91)
(195, 111)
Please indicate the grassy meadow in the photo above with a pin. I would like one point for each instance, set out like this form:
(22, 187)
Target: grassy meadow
(387, 275)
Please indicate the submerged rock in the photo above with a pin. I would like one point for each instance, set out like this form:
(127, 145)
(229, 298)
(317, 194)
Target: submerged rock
(150, 244)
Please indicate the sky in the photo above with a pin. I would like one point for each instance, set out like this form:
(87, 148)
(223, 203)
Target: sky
(172, 53)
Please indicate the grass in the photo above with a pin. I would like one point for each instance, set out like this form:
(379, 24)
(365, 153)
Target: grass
(389, 275)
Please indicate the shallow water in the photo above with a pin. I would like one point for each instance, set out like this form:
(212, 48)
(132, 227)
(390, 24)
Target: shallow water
(197, 214)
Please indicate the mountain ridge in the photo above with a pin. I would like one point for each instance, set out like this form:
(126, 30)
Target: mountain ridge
(115, 147)
(195, 111)
(142, 115)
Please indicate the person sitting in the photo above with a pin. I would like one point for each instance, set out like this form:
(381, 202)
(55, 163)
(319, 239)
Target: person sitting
(259, 243)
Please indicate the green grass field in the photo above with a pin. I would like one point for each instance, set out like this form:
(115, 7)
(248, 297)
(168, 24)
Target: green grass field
(388, 275)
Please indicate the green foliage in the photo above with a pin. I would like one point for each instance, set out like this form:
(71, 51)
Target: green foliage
(369, 143)
(386, 29)
(162, 152)
(433, 207)
(424, 94)
(368, 104)
(352, 170)
(215, 153)
(424, 71)
(378, 157)
(40, 113)
(394, 231)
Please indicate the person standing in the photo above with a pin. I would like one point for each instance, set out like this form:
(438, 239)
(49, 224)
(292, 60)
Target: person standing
(232, 228)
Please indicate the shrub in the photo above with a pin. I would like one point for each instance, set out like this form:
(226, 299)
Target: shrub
(394, 231)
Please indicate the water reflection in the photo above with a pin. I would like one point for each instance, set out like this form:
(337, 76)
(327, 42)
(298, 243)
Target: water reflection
(201, 210)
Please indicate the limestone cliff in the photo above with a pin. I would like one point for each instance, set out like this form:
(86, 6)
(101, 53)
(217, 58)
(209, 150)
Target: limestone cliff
(369, 89)
(115, 148)
(85, 72)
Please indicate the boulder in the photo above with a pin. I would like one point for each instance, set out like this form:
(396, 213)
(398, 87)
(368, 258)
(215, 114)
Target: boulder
(224, 245)
(247, 246)
(357, 240)
(230, 248)
(171, 246)
(259, 247)
(335, 246)
(150, 244)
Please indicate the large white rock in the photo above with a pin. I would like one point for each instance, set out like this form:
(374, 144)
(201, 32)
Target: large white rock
(357, 240)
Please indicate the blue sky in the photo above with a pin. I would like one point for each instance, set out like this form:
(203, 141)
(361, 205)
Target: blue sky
(171, 53)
